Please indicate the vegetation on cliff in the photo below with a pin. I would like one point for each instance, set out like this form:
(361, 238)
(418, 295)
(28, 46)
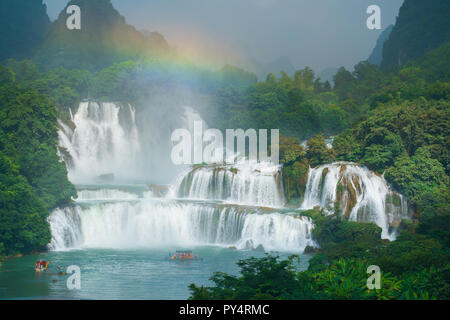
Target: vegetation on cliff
(32, 179)
(422, 25)
(104, 39)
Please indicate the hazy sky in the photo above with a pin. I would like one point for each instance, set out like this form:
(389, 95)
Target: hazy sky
(315, 33)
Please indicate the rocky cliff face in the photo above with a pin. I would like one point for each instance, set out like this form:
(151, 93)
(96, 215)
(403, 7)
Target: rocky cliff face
(377, 54)
(422, 25)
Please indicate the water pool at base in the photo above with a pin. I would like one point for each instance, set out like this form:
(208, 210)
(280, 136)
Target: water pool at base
(120, 274)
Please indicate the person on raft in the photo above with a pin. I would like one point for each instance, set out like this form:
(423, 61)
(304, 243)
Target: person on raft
(41, 265)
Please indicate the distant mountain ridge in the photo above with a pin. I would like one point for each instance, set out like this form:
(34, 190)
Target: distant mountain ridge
(275, 66)
(327, 74)
(104, 38)
(283, 63)
(377, 54)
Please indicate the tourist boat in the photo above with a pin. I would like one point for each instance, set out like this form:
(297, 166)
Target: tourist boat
(183, 255)
(41, 265)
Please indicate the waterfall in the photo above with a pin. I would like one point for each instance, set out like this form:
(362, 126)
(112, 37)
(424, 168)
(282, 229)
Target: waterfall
(148, 223)
(104, 140)
(104, 153)
(105, 194)
(239, 205)
(359, 194)
(120, 192)
(244, 183)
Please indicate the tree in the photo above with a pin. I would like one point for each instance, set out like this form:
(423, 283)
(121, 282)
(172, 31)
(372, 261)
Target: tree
(23, 224)
(318, 152)
(343, 79)
(32, 179)
(265, 278)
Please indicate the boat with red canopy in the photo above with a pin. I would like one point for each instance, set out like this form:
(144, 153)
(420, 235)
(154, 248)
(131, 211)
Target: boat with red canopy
(41, 265)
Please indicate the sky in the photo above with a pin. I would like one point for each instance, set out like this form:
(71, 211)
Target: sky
(314, 33)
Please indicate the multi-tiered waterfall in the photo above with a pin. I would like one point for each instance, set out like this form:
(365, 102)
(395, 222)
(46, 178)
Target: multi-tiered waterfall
(244, 183)
(225, 205)
(239, 205)
(359, 194)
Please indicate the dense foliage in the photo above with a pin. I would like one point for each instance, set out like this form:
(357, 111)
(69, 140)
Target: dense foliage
(273, 279)
(415, 266)
(300, 105)
(32, 179)
(297, 159)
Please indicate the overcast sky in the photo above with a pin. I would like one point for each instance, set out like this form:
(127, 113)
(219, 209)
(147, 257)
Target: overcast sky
(315, 33)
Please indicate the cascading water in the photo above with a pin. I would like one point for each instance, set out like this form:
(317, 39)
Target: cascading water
(102, 144)
(105, 194)
(104, 141)
(220, 204)
(244, 183)
(149, 223)
(360, 195)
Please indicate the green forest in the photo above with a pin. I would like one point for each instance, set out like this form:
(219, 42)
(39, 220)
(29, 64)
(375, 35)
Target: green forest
(397, 124)
(393, 118)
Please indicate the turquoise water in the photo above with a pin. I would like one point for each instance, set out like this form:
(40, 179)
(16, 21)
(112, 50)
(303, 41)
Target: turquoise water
(120, 274)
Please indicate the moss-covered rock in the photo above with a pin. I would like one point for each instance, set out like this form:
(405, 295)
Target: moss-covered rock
(310, 249)
(295, 177)
(331, 230)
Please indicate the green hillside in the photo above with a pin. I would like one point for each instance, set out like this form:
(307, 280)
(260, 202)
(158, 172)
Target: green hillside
(104, 38)
(421, 26)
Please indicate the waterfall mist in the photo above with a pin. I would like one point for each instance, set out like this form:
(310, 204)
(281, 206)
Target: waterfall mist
(124, 143)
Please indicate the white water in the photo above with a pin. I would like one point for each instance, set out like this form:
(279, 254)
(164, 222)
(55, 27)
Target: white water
(102, 142)
(103, 138)
(151, 223)
(244, 183)
(372, 198)
(120, 192)
(105, 194)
